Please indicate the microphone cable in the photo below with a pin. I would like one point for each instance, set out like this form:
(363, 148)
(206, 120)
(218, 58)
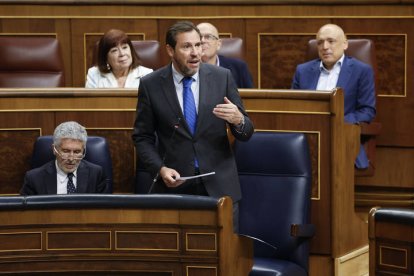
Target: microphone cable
(176, 126)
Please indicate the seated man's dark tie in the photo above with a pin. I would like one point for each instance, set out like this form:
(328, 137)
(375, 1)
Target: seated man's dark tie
(71, 186)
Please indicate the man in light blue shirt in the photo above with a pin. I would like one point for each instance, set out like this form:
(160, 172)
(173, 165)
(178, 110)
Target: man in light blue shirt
(335, 69)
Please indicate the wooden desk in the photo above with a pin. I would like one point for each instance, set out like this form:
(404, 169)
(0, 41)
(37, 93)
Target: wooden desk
(391, 241)
(28, 113)
(122, 235)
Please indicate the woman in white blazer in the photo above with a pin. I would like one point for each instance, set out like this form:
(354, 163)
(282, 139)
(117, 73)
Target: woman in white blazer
(118, 64)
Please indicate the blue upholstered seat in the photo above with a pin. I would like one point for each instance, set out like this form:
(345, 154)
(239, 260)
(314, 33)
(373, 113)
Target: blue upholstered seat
(275, 177)
(97, 152)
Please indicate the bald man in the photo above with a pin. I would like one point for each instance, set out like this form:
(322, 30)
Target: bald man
(211, 44)
(334, 69)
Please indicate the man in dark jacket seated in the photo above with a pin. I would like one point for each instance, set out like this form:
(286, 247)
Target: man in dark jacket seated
(68, 173)
(211, 44)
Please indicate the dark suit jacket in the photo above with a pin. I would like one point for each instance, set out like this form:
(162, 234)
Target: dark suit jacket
(239, 70)
(158, 112)
(43, 180)
(357, 80)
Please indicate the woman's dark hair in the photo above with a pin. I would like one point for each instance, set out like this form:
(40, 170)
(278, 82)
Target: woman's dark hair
(177, 28)
(111, 39)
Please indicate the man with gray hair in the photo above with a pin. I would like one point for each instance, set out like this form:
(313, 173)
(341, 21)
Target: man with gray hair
(68, 173)
(211, 44)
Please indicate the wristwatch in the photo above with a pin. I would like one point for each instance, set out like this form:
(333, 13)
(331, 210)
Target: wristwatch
(241, 124)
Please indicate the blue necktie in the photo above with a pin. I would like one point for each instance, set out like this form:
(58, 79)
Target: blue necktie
(71, 187)
(190, 112)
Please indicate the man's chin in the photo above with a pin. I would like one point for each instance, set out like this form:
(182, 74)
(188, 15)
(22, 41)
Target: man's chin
(70, 168)
(192, 70)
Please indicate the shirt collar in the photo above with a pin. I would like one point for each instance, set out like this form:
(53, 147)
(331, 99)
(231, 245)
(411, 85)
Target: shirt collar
(338, 63)
(178, 77)
(61, 173)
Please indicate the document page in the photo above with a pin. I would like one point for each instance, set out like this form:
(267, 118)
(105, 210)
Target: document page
(195, 176)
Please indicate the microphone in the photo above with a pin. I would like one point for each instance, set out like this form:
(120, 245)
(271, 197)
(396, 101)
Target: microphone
(175, 127)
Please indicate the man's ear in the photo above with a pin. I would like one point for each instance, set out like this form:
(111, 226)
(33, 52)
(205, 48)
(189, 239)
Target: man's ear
(170, 50)
(218, 44)
(53, 149)
(345, 45)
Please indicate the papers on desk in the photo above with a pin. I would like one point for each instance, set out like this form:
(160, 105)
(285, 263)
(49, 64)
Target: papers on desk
(184, 178)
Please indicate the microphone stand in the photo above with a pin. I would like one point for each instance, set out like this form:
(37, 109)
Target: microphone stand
(176, 126)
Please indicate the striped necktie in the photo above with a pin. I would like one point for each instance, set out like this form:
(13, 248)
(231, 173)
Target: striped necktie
(189, 107)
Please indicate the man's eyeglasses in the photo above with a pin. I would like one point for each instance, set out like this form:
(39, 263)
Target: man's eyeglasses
(70, 155)
(209, 37)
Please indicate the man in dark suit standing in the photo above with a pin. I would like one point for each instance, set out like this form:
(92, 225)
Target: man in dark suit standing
(335, 69)
(188, 147)
(211, 43)
(69, 173)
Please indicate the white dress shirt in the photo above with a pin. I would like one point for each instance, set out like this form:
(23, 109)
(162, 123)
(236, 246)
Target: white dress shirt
(62, 180)
(329, 78)
(96, 79)
(178, 82)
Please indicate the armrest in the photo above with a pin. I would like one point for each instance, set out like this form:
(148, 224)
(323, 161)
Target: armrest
(302, 230)
(151, 201)
(395, 215)
(373, 128)
(369, 133)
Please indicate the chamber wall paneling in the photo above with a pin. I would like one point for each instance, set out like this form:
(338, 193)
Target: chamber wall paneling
(274, 38)
(111, 113)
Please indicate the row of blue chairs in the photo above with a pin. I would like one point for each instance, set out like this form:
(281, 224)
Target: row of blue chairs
(275, 177)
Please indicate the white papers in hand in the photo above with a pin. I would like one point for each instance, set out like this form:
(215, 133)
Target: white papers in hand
(183, 178)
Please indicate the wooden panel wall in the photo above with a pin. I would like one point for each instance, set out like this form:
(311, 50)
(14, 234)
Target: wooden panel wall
(275, 34)
(111, 117)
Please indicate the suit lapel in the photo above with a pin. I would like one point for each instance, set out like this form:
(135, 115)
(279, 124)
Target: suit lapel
(345, 74)
(204, 87)
(51, 179)
(314, 74)
(82, 175)
(169, 92)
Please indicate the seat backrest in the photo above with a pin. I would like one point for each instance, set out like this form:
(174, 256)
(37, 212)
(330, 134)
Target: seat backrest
(361, 49)
(148, 51)
(97, 152)
(275, 177)
(31, 61)
(231, 47)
